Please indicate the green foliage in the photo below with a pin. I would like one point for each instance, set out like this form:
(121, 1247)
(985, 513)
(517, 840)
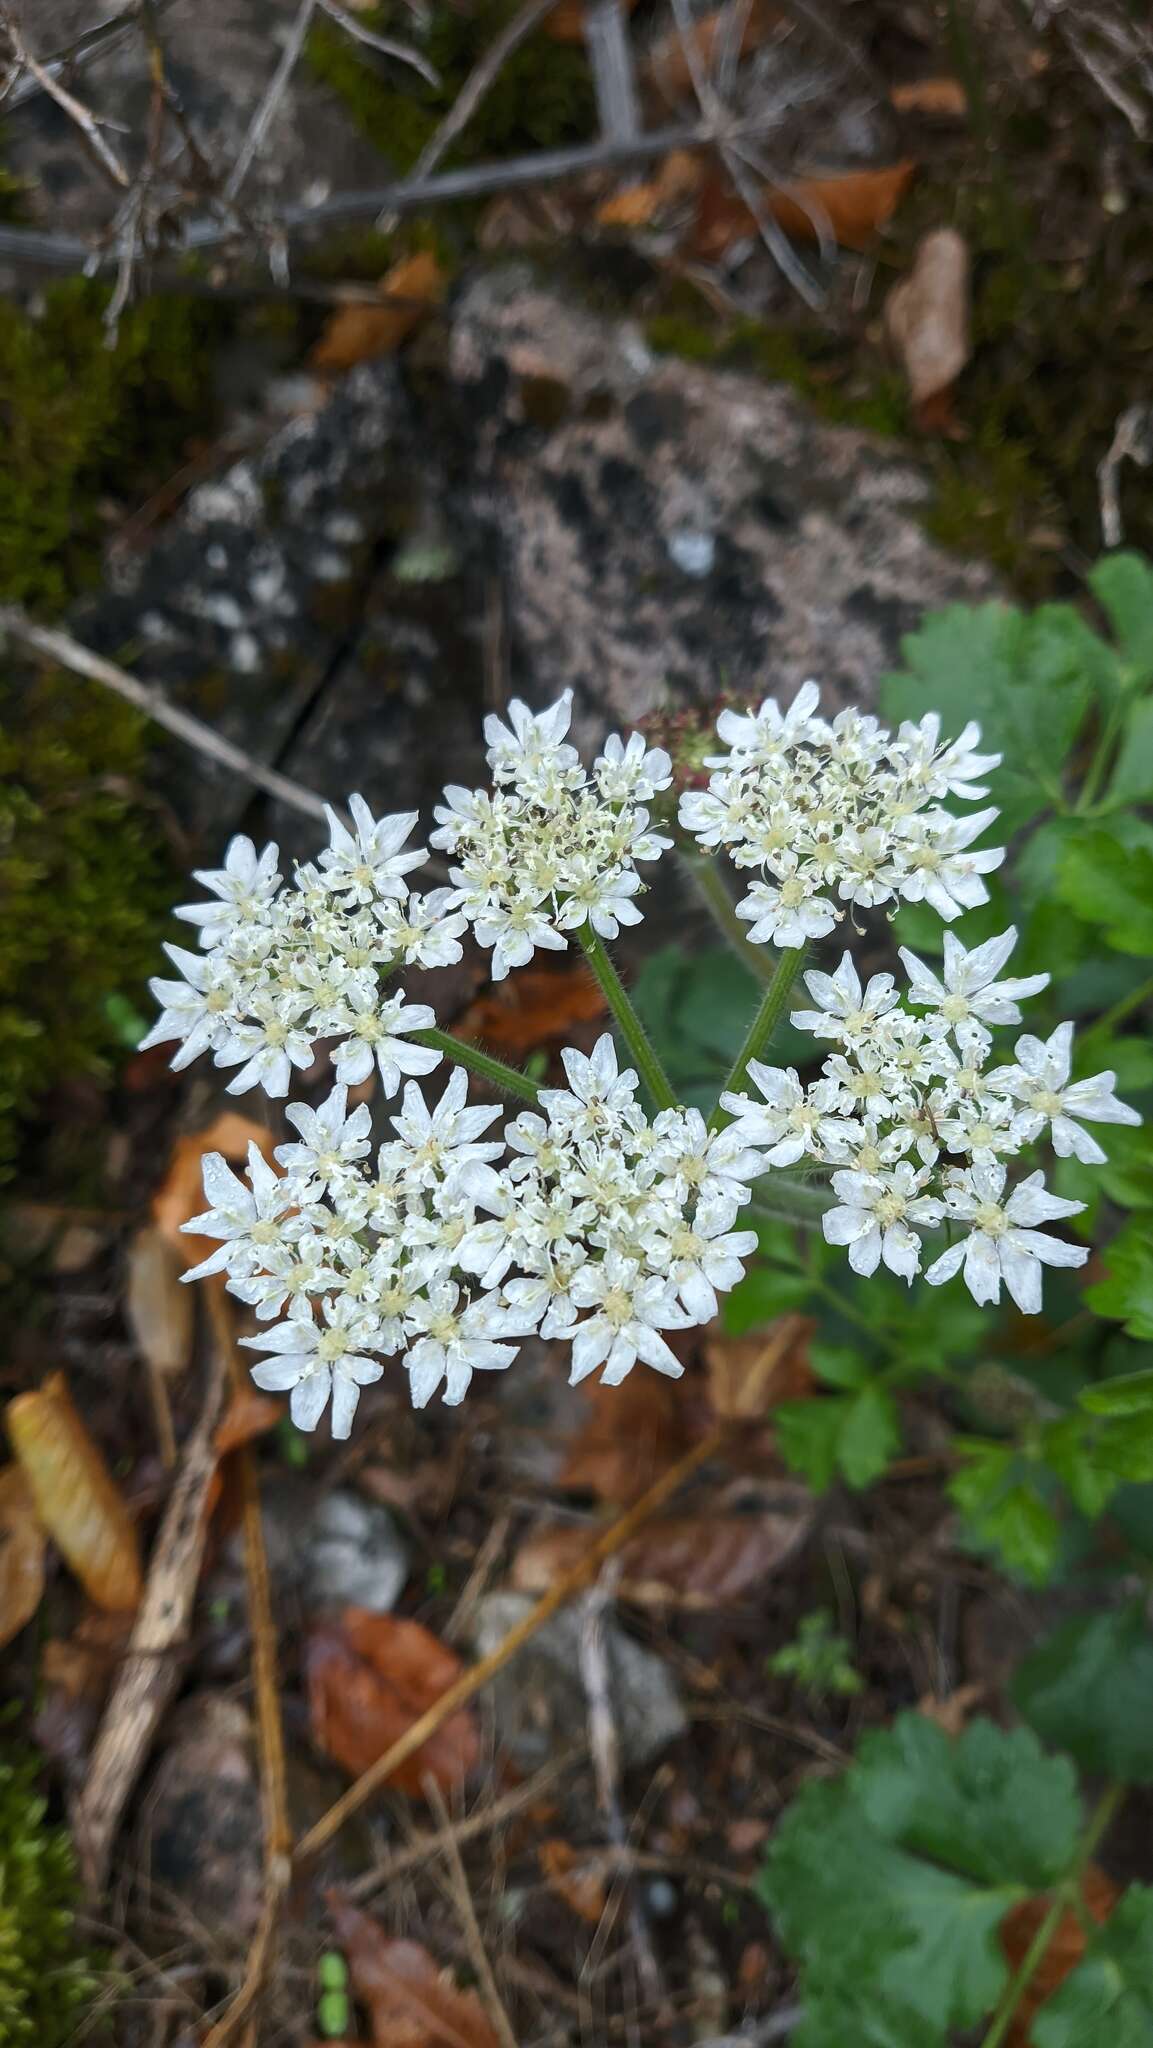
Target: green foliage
(696, 1011)
(853, 1432)
(77, 416)
(1107, 2002)
(1087, 1690)
(45, 1980)
(83, 886)
(817, 1660)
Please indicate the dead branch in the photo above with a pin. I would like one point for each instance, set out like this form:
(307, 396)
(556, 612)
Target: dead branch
(610, 56)
(566, 1588)
(386, 45)
(478, 84)
(75, 109)
(269, 106)
(70, 654)
(466, 1914)
(482, 1822)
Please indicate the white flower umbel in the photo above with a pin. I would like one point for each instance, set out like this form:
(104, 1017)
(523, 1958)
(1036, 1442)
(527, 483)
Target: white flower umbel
(1004, 1242)
(553, 845)
(1040, 1085)
(285, 968)
(840, 813)
(967, 986)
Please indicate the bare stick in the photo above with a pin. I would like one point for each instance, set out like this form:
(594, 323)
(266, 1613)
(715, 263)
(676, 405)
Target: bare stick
(606, 39)
(478, 83)
(75, 109)
(482, 1822)
(267, 110)
(385, 44)
(70, 654)
(95, 42)
(1132, 439)
(567, 1586)
(466, 1912)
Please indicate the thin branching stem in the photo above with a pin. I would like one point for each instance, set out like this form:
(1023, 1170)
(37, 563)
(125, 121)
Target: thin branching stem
(763, 1025)
(510, 1080)
(632, 1030)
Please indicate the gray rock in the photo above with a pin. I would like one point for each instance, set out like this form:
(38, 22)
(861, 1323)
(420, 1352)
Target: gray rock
(538, 1699)
(356, 1556)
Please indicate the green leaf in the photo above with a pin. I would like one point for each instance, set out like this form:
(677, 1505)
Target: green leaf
(1107, 2001)
(1132, 779)
(839, 1365)
(1069, 1450)
(1127, 1289)
(1130, 1394)
(870, 1434)
(1088, 1690)
(807, 1433)
(1122, 583)
(761, 1296)
(889, 1886)
(1111, 885)
(1123, 1447)
(854, 1434)
(1004, 1510)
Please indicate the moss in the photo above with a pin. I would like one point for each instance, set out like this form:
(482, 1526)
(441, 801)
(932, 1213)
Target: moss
(542, 97)
(45, 1978)
(84, 887)
(873, 399)
(77, 418)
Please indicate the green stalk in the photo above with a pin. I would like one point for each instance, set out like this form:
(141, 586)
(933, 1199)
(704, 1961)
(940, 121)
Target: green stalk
(631, 1029)
(509, 1080)
(710, 885)
(1064, 1896)
(763, 1025)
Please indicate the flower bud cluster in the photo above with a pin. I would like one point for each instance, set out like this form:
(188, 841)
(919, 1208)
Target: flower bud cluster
(587, 1222)
(916, 1125)
(553, 845)
(839, 813)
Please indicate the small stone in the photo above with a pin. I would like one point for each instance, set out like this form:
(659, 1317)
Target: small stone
(355, 1555)
(695, 553)
(539, 1703)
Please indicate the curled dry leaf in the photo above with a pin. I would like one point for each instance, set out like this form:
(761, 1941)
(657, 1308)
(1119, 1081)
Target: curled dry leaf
(578, 1880)
(21, 1554)
(851, 206)
(410, 2001)
(76, 1497)
(161, 1310)
(248, 1415)
(566, 23)
(181, 1194)
(1100, 1894)
(738, 1391)
(76, 1674)
(712, 35)
(642, 205)
(945, 97)
(362, 330)
(927, 318)
(952, 1711)
(691, 1561)
(537, 1007)
(633, 1433)
(370, 1676)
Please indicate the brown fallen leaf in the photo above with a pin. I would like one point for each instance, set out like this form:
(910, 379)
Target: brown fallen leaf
(736, 1390)
(21, 1553)
(1100, 1895)
(370, 1676)
(77, 1499)
(181, 1193)
(362, 330)
(536, 1007)
(927, 318)
(668, 63)
(566, 23)
(633, 1433)
(410, 2001)
(694, 1562)
(942, 96)
(639, 204)
(248, 1415)
(952, 1712)
(574, 1878)
(161, 1309)
(852, 205)
(75, 1674)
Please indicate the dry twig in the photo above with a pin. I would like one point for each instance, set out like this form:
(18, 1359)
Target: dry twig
(269, 106)
(75, 109)
(466, 1913)
(566, 1588)
(482, 1822)
(375, 41)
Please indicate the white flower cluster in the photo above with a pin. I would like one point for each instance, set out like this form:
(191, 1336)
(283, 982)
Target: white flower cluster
(598, 1226)
(916, 1125)
(282, 968)
(553, 845)
(844, 805)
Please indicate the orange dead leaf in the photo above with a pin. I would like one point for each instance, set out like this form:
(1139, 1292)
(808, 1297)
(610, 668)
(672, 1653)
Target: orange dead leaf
(633, 1433)
(410, 2001)
(927, 317)
(247, 1415)
(370, 1677)
(161, 1309)
(181, 1194)
(362, 330)
(539, 1006)
(951, 1711)
(635, 206)
(566, 23)
(691, 1562)
(1065, 1951)
(943, 96)
(668, 63)
(854, 204)
(77, 1499)
(575, 1879)
(737, 1388)
(21, 1554)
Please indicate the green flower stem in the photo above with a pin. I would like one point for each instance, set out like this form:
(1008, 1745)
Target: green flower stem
(508, 1079)
(763, 1025)
(1124, 1008)
(632, 1030)
(802, 1207)
(710, 885)
(1067, 1892)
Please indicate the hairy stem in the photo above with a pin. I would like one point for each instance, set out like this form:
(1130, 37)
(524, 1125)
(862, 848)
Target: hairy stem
(763, 1025)
(631, 1029)
(509, 1080)
(710, 885)
(1063, 1898)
